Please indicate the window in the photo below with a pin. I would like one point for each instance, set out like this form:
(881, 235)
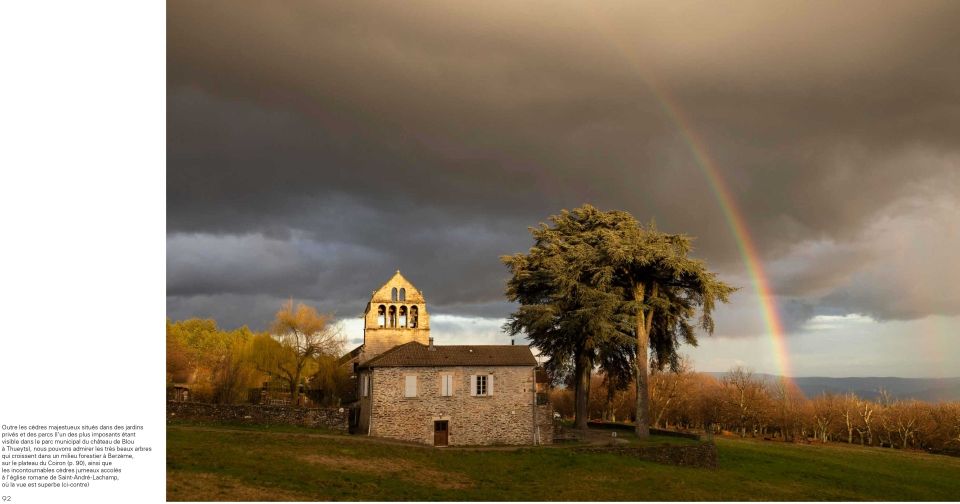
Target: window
(403, 294)
(393, 316)
(410, 386)
(403, 316)
(446, 385)
(365, 383)
(481, 385)
(382, 316)
(393, 295)
(413, 317)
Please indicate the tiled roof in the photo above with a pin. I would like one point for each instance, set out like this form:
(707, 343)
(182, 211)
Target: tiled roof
(415, 354)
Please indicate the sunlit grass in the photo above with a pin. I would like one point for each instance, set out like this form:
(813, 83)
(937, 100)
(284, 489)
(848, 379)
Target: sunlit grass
(291, 463)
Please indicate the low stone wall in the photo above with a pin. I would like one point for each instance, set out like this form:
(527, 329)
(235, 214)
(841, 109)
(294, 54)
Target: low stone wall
(672, 433)
(329, 418)
(951, 451)
(694, 455)
(597, 424)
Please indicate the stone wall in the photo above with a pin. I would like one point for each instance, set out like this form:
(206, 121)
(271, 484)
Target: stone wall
(545, 422)
(329, 418)
(506, 417)
(378, 340)
(702, 454)
(598, 424)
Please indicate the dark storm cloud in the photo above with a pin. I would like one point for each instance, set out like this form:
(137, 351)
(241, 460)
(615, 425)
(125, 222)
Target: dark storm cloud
(919, 270)
(313, 147)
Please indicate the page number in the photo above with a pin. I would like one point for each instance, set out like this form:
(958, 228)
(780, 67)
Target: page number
(7, 498)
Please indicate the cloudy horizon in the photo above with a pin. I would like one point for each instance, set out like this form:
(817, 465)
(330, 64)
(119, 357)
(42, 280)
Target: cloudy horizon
(314, 149)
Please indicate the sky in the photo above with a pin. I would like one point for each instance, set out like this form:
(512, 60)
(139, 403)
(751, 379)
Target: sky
(313, 148)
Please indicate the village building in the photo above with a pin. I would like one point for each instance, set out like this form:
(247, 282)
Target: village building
(411, 389)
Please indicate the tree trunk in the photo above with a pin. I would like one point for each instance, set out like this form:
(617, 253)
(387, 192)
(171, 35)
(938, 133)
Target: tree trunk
(582, 393)
(294, 389)
(644, 321)
(643, 394)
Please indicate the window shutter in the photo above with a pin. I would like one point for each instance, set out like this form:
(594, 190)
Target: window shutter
(473, 385)
(411, 386)
(489, 384)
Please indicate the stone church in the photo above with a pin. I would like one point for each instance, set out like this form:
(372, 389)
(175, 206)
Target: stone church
(411, 389)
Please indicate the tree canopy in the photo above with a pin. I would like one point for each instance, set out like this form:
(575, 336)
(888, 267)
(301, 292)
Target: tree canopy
(300, 335)
(569, 319)
(214, 361)
(598, 287)
(301, 348)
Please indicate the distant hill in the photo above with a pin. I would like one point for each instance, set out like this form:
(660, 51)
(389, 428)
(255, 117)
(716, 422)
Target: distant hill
(924, 389)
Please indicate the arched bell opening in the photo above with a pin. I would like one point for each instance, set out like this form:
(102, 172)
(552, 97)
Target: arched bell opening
(414, 313)
(382, 316)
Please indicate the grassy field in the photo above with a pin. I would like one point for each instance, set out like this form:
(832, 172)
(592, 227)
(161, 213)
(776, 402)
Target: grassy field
(229, 463)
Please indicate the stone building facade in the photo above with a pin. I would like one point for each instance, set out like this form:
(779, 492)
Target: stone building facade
(406, 396)
(410, 389)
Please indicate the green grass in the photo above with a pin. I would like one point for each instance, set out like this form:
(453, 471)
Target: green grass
(289, 463)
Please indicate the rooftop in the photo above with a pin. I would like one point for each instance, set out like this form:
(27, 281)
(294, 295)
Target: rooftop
(415, 354)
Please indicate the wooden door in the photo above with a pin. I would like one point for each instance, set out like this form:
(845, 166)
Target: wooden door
(440, 430)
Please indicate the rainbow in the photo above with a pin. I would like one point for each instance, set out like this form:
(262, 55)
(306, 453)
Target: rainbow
(737, 224)
(728, 206)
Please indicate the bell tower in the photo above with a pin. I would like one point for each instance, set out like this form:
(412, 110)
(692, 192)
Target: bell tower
(396, 314)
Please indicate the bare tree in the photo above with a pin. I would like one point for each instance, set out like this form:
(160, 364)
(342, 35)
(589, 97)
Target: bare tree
(743, 403)
(865, 410)
(903, 419)
(707, 405)
(744, 394)
(788, 401)
(884, 397)
(824, 412)
(667, 388)
(847, 408)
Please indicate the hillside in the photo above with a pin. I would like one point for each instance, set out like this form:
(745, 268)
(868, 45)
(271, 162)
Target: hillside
(924, 389)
